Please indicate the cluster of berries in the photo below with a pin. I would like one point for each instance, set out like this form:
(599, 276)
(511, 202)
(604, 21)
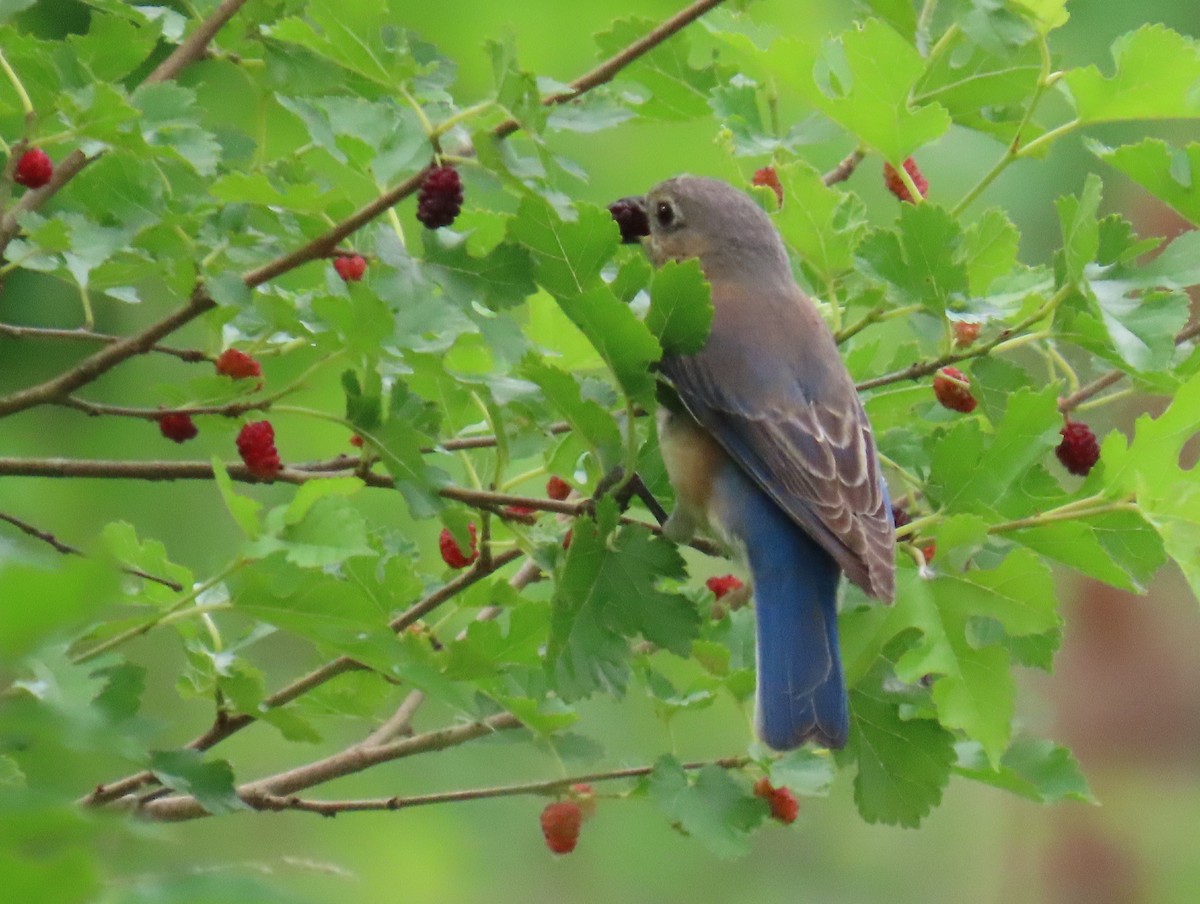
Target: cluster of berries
(255, 441)
(455, 557)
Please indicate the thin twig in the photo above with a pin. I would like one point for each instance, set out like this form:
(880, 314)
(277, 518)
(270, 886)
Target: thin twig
(68, 550)
(195, 45)
(543, 788)
(843, 170)
(1101, 383)
(87, 370)
(190, 355)
(178, 808)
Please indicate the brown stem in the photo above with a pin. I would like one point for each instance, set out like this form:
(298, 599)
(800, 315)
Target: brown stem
(552, 786)
(87, 370)
(69, 550)
(348, 762)
(845, 169)
(195, 45)
(1101, 383)
(191, 355)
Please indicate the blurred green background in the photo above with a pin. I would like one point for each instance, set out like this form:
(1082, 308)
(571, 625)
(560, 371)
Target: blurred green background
(1125, 697)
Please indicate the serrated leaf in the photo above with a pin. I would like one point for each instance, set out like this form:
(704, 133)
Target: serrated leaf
(1170, 174)
(1148, 468)
(712, 808)
(923, 260)
(624, 342)
(902, 765)
(823, 224)
(353, 38)
(210, 782)
(974, 689)
(1039, 770)
(1080, 228)
(676, 90)
(983, 89)
(607, 595)
(681, 311)
(1156, 76)
(591, 421)
(863, 81)
(567, 255)
(969, 472)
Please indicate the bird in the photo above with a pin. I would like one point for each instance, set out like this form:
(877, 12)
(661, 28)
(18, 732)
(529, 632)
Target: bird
(766, 443)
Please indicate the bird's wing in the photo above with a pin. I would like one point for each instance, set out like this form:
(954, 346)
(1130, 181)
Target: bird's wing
(772, 390)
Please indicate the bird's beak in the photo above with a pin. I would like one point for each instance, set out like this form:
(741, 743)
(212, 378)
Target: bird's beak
(630, 214)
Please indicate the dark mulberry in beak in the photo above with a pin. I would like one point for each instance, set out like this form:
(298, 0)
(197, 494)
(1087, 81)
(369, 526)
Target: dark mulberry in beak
(630, 214)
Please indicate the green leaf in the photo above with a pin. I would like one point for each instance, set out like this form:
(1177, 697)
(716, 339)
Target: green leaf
(1049, 14)
(1038, 770)
(804, 771)
(567, 256)
(187, 772)
(863, 81)
(1170, 174)
(243, 509)
(989, 249)
(516, 90)
(969, 472)
(608, 594)
(899, 14)
(352, 36)
(624, 342)
(675, 89)
(902, 764)
(587, 418)
(681, 311)
(1156, 76)
(1168, 496)
(823, 224)
(317, 531)
(924, 260)
(1119, 548)
(78, 589)
(713, 808)
(1080, 228)
(169, 123)
(974, 690)
(411, 425)
(122, 543)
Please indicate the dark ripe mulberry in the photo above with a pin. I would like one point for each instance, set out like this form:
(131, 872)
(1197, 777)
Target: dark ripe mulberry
(630, 215)
(1078, 450)
(177, 427)
(440, 199)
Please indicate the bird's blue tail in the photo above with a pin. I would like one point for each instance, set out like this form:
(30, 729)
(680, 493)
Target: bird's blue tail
(801, 690)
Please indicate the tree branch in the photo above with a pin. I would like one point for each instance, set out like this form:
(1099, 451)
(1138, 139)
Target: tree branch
(87, 370)
(194, 46)
(322, 245)
(191, 355)
(178, 808)
(550, 787)
(69, 550)
(225, 725)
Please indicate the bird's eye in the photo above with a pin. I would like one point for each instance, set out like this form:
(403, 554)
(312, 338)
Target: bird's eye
(664, 213)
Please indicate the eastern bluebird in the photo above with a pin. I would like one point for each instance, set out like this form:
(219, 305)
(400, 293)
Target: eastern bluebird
(771, 447)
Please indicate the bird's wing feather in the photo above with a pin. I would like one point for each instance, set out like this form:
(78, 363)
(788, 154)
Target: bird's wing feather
(799, 430)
